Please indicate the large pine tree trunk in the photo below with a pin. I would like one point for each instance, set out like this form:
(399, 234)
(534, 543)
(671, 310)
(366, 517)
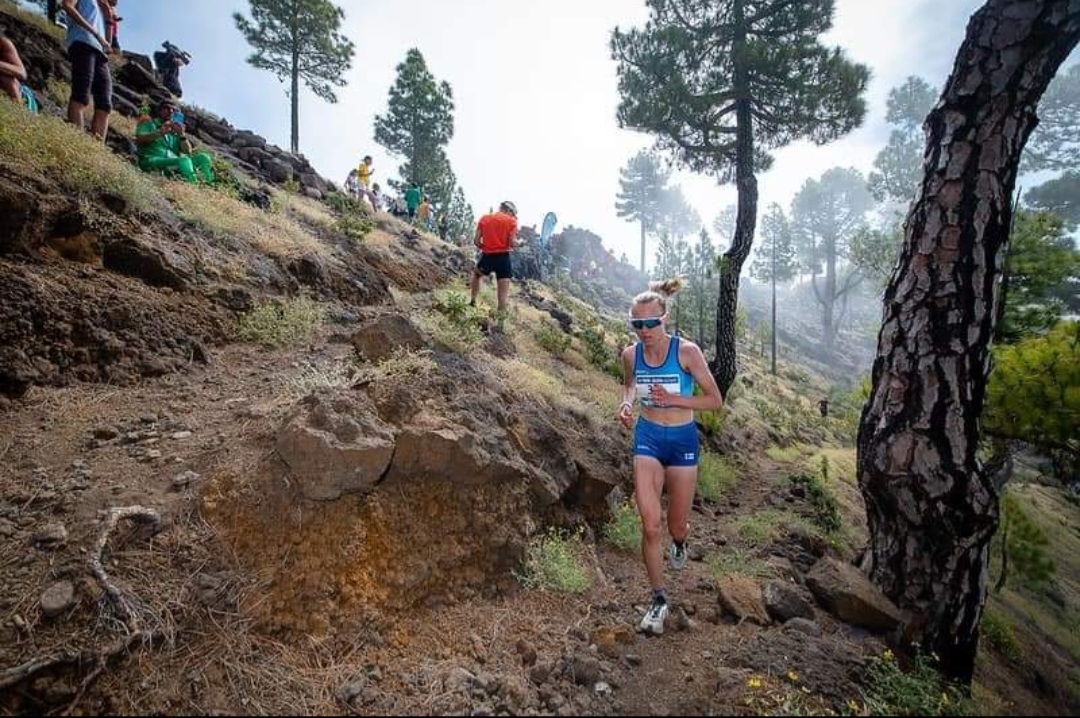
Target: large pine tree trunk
(724, 366)
(932, 510)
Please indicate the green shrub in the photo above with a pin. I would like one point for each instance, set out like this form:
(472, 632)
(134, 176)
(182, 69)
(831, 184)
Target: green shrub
(734, 560)
(1032, 395)
(716, 476)
(552, 338)
(354, 226)
(623, 530)
(597, 350)
(225, 178)
(999, 632)
(890, 691)
(1025, 545)
(282, 323)
(553, 562)
(826, 509)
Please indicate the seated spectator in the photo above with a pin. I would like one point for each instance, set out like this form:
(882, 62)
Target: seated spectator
(12, 72)
(164, 145)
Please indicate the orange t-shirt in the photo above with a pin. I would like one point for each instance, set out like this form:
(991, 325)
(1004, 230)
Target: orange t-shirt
(497, 232)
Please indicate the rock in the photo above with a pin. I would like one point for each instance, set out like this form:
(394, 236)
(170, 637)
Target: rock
(57, 599)
(741, 597)
(612, 641)
(377, 340)
(540, 673)
(153, 265)
(105, 433)
(457, 679)
(784, 602)
(602, 689)
(804, 626)
(846, 592)
(527, 652)
(633, 659)
(51, 535)
(181, 435)
(7, 529)
(585, 670)
(678, 620)
(352, 690)
(335, 444)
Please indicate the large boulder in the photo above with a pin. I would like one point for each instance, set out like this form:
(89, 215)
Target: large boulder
(335, 444)
(848, 594)
(377, 340)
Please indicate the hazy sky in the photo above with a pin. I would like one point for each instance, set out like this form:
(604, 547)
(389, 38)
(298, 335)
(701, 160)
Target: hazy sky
(535, 93)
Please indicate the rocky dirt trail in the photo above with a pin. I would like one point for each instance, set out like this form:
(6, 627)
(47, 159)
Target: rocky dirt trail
(69, 453)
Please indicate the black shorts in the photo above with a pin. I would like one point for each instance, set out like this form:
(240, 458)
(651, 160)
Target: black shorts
(90, 74)
(498, 263)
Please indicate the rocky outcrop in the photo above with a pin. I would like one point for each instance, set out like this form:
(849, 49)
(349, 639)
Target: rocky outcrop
(136, 86)
(335, 444)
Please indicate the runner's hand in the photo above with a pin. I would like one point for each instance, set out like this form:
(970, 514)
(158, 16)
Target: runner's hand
(626, 414)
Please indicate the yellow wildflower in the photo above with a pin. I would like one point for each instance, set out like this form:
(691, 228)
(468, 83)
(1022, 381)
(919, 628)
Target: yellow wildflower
(754, 682)
(793, 676)
(888, 654)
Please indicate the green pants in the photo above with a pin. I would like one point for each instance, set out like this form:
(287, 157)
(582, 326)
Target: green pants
(185, 164)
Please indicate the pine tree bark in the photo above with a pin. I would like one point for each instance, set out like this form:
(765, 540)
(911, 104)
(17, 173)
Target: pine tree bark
(724, 366)
(932, 509)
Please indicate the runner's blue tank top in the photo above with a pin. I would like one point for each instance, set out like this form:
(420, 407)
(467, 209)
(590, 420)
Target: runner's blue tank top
(670, 374)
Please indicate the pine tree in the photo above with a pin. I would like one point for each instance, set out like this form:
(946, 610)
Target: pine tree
(419, 123)
(775, 260)
(722, 82)
(642, 184)
(298, 40)
(898, 166)
(931, 507)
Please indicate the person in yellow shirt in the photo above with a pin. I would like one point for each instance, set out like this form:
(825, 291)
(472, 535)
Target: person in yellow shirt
(364, 172)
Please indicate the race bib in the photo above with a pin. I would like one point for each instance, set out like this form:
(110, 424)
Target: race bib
(643, 383)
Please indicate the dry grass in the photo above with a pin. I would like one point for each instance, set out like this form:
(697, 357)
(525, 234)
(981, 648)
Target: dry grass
(312, 211)
(271, 233)
(40, 144)
(31, 18)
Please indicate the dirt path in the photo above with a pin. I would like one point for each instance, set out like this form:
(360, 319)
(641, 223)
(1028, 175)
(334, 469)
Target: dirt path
(69, 453)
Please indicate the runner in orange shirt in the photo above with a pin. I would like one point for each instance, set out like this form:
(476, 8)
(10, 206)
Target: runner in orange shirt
(495, 235)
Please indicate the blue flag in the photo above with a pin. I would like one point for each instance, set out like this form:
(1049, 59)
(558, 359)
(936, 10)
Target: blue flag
(547, 229)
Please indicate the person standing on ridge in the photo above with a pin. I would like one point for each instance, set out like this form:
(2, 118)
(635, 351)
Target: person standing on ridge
(495, 234)
(364, 172)
(412, 200)
(661, 371)
(88, 51)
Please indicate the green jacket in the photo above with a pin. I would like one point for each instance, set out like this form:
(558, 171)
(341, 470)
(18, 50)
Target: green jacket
(166, 146)
(412, 197)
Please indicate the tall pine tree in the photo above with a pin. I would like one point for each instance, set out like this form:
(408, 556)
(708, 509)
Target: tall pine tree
(298, 40)
(419, 123)
(774, 260)
(642, 184)
(932, 509)
(722, 82)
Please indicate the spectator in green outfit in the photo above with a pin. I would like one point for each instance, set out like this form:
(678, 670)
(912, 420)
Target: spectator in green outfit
(164, 145)
(413, 196)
